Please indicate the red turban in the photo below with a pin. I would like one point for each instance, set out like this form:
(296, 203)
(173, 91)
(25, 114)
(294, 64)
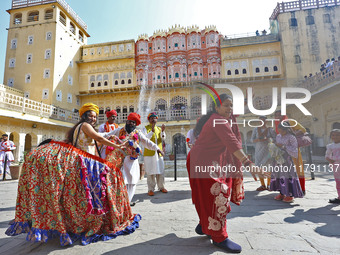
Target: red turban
(110, 113)
(135, 117)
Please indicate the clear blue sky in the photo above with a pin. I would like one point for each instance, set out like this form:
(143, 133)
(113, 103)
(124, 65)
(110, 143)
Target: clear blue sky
(114, 20)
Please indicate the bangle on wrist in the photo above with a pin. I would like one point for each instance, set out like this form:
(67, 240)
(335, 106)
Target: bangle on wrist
(247, 163)
(244, 158)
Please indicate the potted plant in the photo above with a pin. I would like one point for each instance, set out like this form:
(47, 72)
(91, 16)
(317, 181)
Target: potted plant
(16, 167)
(172, 156)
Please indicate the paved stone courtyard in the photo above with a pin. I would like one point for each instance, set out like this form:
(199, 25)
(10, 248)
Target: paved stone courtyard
(260, 225)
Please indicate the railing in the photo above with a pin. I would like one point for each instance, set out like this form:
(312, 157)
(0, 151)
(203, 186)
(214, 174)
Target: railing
(26, 3)
(33, 18)
(48, 15)
(25, 105)
(163, 115)
(301, 5)
(323, 78)
(234, 36)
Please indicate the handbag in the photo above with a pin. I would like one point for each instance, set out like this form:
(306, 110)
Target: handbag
(303, 139)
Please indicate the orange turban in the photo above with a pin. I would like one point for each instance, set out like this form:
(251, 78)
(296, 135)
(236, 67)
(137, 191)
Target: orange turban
(134, 116)
(88, 107)
(110, 113)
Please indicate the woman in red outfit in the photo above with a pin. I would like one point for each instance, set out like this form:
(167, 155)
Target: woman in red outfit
(214, 166)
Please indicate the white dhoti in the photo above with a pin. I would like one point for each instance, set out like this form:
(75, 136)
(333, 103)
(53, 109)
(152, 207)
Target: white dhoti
(154, 168)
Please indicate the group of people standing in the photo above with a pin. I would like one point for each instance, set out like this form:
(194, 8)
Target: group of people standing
(278, 146)
(82, 188)
(214, 147)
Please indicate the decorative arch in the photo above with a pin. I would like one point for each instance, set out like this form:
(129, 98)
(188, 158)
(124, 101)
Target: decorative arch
(161, 104)
(178, 102)
(33, 16)
(179, 141)
(336, 125)
(31, 141)
(196, 102)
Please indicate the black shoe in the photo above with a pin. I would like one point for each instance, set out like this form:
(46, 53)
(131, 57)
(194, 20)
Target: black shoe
(198, 230)
(334, 201)
(132, 203)
(304, 192)
(229, 246)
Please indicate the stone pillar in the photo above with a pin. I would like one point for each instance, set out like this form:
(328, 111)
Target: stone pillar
(21, 146)
(39, 140)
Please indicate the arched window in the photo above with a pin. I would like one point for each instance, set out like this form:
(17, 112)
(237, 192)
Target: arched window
(33, 16)
(49, 14)
(122, 82)
(236, 71)
(275, 68)
(176, 75)
(99, 84)
(257, 70)
(81, 36)
(229, 72)
(72, 28)
(92, 80)
(116, 82)
(62, 18)
(129, 81)
(17, 19)
(266, 69)
(105, 83)
(244, 71)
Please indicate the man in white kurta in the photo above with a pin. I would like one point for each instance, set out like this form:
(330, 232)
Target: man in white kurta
(6, 155)
(130, 168)
(153, 162)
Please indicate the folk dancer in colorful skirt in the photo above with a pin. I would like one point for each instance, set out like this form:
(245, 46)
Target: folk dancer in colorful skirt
(66, 191)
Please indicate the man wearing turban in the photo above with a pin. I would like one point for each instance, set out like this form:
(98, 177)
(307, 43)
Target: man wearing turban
(154, 164)
(130, 169)
(109, 126)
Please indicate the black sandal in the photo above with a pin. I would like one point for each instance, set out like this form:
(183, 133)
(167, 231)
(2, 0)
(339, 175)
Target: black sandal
(334, 201)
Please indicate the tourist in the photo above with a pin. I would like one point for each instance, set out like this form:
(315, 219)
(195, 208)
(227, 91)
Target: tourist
(261, 136)
(333, 157)
(284, 177)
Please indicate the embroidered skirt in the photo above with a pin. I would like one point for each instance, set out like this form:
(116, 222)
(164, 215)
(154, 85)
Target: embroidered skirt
(68, 193)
